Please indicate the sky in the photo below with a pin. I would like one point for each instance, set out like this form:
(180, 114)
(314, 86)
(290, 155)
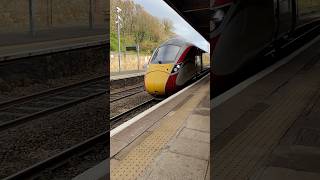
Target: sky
(160, 9)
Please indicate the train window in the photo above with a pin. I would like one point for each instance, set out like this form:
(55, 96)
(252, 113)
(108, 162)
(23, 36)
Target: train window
(165, 54)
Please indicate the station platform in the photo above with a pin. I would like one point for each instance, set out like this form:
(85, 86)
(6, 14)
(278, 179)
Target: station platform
(168, 141)
(126, 78)
(268, 126)
(126, 74)
(45, 47)
(49, 34)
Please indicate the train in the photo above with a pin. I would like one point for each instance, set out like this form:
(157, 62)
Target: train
(242, 30)
(173, 64)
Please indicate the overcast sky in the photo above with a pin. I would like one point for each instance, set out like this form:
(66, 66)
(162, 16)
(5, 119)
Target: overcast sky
(161, 10)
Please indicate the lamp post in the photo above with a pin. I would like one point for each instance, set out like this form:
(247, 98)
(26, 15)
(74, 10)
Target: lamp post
(118, 22)
(138, 54)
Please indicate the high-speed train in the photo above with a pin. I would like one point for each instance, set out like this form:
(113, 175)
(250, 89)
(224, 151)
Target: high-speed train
(172, 65)
(243, 29)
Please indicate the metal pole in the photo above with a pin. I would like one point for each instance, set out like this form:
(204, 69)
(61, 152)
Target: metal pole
(31, 17)
(48, 16)
(119, 50)
(201, 61)
(138, 49)
(51, 18)
(90, 14)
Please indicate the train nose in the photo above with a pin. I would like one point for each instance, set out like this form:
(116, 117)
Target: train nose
(155, 82)
(156, 78)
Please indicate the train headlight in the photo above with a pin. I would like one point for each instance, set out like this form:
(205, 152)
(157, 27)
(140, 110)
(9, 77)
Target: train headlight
(176, 68)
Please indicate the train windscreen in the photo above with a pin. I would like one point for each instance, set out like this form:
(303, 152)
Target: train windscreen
(165, 54)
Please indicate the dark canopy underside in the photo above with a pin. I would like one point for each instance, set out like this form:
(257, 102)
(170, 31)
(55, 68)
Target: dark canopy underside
(195, 12)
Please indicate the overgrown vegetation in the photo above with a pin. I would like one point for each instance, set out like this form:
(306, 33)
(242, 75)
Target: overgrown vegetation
(138, 27)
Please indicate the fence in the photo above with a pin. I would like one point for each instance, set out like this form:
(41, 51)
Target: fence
(129, 62)
(34, 15)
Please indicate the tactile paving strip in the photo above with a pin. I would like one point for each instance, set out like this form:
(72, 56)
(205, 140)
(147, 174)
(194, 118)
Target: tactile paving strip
(138, 159)
(245, 154)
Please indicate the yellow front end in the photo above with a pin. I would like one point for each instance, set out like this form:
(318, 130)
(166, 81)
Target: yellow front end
(156, 77)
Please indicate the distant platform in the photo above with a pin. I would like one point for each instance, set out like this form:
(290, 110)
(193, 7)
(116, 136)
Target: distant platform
(126, 74)
(49, 46)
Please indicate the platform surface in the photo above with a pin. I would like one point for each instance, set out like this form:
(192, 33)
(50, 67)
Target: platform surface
(126, 74)
(49, 46)
(271, 129)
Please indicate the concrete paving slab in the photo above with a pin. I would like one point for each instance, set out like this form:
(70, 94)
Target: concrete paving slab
(135, 130)
(154, 126)
(113, 163)
(190, 147)
(195, 135)
(198, 122)
(116, 146)
(172, 166)
(202, 111)
(123, 152)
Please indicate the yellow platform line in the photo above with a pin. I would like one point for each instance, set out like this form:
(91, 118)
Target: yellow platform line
(137, 160)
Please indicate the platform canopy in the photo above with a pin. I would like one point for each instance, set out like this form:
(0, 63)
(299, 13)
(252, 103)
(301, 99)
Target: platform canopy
(196, 13)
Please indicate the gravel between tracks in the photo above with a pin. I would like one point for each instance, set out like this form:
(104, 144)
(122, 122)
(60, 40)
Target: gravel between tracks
(29, 143)
(27, 88)
(123, 105)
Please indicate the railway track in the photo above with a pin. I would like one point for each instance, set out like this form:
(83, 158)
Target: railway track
(49, 166)
(27, 108)
(24, 109)
(116, 96)
(116, 119)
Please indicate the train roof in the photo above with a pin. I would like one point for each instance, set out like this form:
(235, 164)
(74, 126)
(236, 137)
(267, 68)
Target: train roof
(179, 42)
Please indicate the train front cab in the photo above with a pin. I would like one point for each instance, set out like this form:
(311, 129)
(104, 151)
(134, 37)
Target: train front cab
(170, 68)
